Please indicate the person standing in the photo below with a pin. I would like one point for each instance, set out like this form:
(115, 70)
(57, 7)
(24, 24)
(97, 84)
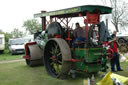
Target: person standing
(115, 60)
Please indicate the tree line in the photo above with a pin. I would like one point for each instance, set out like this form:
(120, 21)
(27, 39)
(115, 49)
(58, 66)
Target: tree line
(119, 19)
(31, 25)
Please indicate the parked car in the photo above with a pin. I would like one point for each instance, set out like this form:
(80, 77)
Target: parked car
(122, 37)
(2, 43)
(16, 46)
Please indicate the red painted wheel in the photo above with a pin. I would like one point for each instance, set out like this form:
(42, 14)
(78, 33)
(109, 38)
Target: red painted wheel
(111, 54)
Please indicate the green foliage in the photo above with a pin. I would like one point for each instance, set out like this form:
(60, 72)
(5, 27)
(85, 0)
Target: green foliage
(7, 37)
(32, 25)
(16, 33)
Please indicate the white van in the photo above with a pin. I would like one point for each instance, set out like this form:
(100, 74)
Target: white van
(16, 46)
(2, 43)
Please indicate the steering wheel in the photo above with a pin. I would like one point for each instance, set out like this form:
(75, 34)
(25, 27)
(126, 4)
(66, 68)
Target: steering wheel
(110, 54)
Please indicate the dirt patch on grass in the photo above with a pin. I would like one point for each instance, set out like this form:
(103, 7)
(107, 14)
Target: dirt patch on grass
(11, 61)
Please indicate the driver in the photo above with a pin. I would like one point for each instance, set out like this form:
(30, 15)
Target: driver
(79, 34)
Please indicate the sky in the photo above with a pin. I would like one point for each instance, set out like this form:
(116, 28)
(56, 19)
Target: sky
(14, 12)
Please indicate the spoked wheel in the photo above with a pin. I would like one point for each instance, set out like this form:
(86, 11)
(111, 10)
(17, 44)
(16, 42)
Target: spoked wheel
(121, 41)
(111, 54)
(56, 56)
(123, 48)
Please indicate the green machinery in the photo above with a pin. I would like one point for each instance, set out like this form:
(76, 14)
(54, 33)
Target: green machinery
(53, 46)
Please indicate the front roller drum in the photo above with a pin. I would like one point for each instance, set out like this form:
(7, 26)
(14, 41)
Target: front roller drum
(56, 56)
(35, 55)
(33, 63)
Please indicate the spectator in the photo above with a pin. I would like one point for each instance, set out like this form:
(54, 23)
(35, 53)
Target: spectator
(115, 60)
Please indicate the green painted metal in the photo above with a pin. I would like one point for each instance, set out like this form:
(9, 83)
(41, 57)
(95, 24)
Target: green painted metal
(42, 42)
(89, 64)
(73, 12)
(91, 54)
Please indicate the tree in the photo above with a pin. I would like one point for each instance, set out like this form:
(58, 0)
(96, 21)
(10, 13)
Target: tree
(32, 25)
(119, 13)
(7, 37)
(16, 33)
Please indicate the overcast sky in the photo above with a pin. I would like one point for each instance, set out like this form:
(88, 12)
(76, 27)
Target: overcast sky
(14, 12)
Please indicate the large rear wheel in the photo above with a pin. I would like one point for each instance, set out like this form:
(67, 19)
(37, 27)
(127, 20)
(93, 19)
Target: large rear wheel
(56, 56)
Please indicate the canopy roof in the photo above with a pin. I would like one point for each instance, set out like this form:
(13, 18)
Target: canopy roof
(74, 11)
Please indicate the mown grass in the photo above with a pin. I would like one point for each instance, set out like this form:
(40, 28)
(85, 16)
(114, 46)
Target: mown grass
(7, 56)
(20, 74)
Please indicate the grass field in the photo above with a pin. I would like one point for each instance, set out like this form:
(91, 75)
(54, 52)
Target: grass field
(20, 74)
(6, 56)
